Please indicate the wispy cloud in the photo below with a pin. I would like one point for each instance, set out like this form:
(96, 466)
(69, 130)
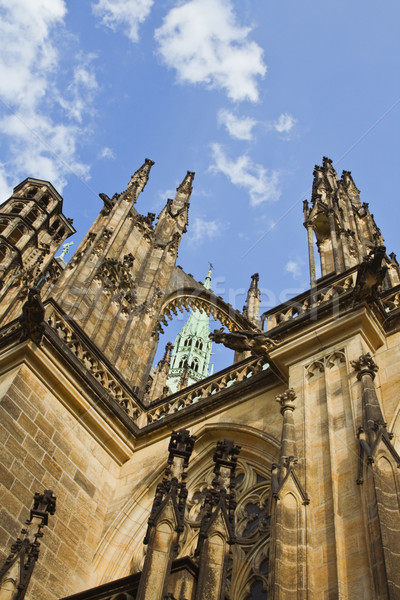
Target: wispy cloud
(106, 153)
(203, 42)
(202, 230)
(262, 185)
(239, 128)
(295, 267)
(41, 142)
(284, 123)
(125, 15)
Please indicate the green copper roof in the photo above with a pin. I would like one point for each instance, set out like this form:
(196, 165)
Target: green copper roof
(192, 347)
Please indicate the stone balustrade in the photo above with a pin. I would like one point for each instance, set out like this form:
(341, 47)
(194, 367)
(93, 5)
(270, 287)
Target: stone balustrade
(204, 389)
(310, 300)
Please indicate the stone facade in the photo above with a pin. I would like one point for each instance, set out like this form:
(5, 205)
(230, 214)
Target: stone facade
(277, 476)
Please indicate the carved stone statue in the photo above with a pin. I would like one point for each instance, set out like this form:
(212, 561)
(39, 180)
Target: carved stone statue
(241, 340)
(32, 318)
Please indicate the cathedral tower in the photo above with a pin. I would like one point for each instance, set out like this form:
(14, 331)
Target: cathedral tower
(32, 227)
(191, 354)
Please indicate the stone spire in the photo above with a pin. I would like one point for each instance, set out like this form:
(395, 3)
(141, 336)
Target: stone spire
(192, 349)
(344, 229)
(173, 219)
(252, 306)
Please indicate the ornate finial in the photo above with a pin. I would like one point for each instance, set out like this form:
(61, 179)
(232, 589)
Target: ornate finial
(186, 185)
(25, 549)
(365, 365)
(181, 444)
(65, 250)
(286, 400)
(210, 269)
(254, 281)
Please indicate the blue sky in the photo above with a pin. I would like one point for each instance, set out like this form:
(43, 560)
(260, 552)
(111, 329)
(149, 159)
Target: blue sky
(248, 94)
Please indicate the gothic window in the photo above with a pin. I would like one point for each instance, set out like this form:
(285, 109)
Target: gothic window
(3, 225)
(194, 365)
(247, 575)
(16, 235)
(187, 342)
(257, 591)
(199, 344)
(182, 362)
(45, 200)
(31, 192)
(17, 208)
(3, 253)
(32, 216)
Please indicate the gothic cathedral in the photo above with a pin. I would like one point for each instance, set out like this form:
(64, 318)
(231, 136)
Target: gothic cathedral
(275, 478)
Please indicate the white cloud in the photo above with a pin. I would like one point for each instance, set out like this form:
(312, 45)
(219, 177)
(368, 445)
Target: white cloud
(262, 185)
(40, 144)
(240, 129)
(80, 92)
(107, 153)
(284, 123)
(202, 230)
(202, 40)
(123, 14)
(294, 267)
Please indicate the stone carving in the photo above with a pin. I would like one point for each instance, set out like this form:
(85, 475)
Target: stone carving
(370, 275)
(109, 203)
(326, 362)
(20, 563)
(259, 343)
(116, 278)
(32, 318)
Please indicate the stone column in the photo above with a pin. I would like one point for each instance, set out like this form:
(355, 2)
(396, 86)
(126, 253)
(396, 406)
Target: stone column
(287, 579)
(311, 255)
(380, 480)
(336, 257)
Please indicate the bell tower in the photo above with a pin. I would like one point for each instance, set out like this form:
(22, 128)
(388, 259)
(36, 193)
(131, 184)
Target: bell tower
(115, 284)
(32, 227)
(191, 354)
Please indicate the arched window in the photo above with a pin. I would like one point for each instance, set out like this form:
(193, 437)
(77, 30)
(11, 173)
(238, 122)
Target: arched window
(182, 362)
(16, 235)
(3, 225)
(31, 192)
(187, 342)
(194, 365)
(45, 200)
(32, 216)
(199, 344)
(16, 208)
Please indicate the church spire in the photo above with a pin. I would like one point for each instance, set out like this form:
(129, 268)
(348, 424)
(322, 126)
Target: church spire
(344, 228)
(192, 348)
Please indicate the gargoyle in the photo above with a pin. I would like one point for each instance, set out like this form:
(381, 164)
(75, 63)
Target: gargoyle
(242, 340)
(108, 202)
(370, 275)
(32, 318)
